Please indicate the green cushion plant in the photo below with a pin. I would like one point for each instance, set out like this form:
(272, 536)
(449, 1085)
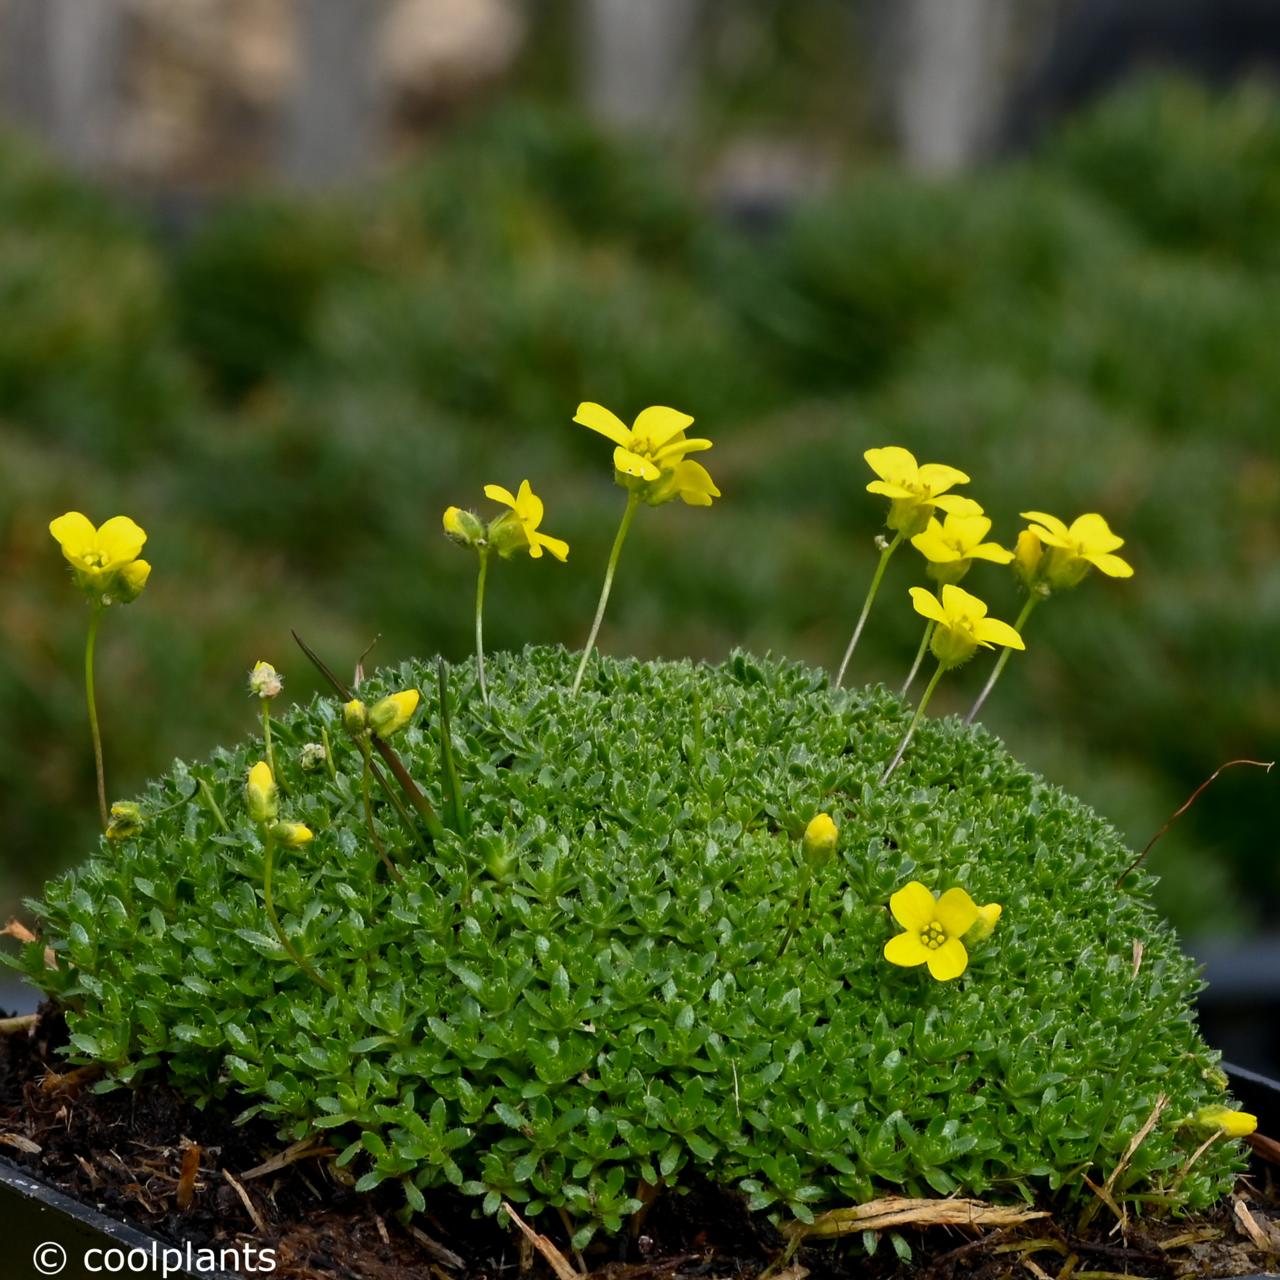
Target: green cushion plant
(613, 966)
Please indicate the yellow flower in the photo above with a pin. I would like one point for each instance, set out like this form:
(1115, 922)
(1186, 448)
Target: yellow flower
(293, 835)
(392, 713)
(1235, 1124)
(984, 926)
(265, 681)
(1087, 543)
(954, 544)
(260, 793)
(650, 456)
(916, 490)
(934, 927)
(963, 625)
(126, 820)
(104, 561)
(820, 838)
(518, 528)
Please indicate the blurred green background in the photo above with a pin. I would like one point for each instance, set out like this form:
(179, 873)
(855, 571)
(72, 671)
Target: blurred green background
(287, 397)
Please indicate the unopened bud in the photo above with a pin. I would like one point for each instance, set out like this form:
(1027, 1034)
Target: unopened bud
(1235, 1124)
(355, 717)
(126, 820)
(820, 839)
(464, 527)
(292, 835)
(392, 713)
(985, 924)
(313, 757)
(260, 793)
(130, 581)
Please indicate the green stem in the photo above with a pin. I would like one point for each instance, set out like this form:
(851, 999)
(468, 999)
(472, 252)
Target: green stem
(480, 577)
(633, 501)
(267, 749)
(367, 793)
(90, 643)
(268, 861)
(1032, 600)
(206, 794)
(328, 754)
(911, 728)
(920, 652)
(866, 605)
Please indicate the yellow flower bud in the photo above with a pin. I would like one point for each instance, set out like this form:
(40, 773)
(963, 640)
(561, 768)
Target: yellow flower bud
(985, 924)
(293, 835)
(464, 527)
(355, 717)
(820, 838)
(265, 681)
(392, 713)
(1235, 1124)
(261, 794)
(1028, 553)
(126, 820)
(130, 581)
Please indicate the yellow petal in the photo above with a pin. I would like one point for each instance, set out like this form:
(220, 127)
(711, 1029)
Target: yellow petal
(632, 464)
(956, 504)
(1112, 566)
(956, 912)
(75, 534)
(993, 631)
(934, 547)
(557, 546)
(937, 477)
(119, 541)
(927, 606)
(657, 424)
(992, 551)
(895, 465)
(912, 906)
(598, 418)
(887, 489)
(678, 449)
(949, 961)
(497, 493)
(695, 484)
(906, 949)
(1092, 534)
(528, 506)
(958, 603)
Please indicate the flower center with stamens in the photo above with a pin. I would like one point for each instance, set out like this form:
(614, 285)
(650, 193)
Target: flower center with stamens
(933, 936)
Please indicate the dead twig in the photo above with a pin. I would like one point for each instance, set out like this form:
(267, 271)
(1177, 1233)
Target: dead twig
(186, 1192)
(19, 1143)
(14, 1026)
(434, 1249)
(1268, 765)
(555, 1259)
(900, 1211)
(245, 1200)
(1105, 1192)
(302, 1150)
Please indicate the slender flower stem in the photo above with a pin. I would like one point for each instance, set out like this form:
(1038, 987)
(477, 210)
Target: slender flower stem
(206, 794)
(89, 645)
(866, 605)
(268, 861)
(267, 751)
(367, 792)
(920, 652)
(1032, 600)
(911, 728)
(480, 577)
(633, 501)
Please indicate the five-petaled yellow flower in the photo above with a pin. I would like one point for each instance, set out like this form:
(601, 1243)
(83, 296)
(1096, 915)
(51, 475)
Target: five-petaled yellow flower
(651, 456)
(951, 545)
(915, 490)
(104, 561)
(963, 625)
(517, 529)
(934, 927)
(1086, 543)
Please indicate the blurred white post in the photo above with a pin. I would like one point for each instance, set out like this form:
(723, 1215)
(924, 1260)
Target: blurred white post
(637, 60)
(951, 81)
(61, 70)
(333, 126)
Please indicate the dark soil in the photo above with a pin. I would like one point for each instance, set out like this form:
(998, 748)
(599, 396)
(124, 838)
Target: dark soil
(123, 1152)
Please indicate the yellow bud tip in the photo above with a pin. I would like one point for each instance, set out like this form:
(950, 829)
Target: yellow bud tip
(355, 717)
(1234, 1124)
(260, 793)
(985, 924)
(293, 835)
(820, 839)
(392, 713)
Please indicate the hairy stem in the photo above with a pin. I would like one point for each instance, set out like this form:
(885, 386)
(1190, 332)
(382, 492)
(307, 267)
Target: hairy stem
(268, 864)
(1032, 600)
(480, 578)
(866, 605)
(90, 643)
(911, 728)
(920, 652)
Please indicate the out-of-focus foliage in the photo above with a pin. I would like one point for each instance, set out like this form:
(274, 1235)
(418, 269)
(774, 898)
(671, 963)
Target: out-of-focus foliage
(288, 401)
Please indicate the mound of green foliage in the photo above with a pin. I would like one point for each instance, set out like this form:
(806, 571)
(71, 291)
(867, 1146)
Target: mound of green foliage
(587, 985)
